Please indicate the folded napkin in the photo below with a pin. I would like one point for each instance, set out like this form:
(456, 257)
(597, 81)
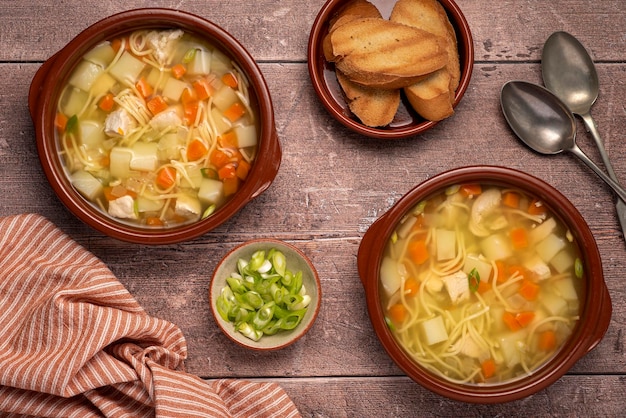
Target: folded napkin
(75, 343)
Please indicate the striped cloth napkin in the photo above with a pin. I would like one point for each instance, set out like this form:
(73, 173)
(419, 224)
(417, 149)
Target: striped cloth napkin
(75, 343)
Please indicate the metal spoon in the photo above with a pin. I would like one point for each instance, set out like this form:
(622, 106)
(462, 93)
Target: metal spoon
(545, 124)
(568, 71)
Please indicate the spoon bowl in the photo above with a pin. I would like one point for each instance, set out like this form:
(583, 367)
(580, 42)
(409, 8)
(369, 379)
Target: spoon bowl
(544, 123)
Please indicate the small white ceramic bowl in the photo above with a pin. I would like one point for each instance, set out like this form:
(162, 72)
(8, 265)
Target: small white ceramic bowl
(296, 261)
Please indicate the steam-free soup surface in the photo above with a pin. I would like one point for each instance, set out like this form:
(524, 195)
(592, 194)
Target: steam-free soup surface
(157, 128)
(481, 284)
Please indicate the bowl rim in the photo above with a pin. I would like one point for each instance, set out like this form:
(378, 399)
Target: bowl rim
(302, 328)
(316, 64)
(60, 65)
(587, 334)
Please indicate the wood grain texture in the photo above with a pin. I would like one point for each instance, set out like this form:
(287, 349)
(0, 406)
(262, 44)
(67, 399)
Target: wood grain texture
(332, 185)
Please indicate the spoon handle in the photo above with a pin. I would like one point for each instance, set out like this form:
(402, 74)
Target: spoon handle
(620, 206)
(609, 181)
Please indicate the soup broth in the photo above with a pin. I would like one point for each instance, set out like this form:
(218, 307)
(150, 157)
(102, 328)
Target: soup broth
(157, 128)
(481, 284)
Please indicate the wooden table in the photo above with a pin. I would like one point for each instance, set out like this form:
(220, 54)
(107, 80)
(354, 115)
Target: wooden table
(332, 185)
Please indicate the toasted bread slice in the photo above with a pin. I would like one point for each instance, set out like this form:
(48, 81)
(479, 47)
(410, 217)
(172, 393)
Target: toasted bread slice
(375, 52)
(374, 107)
(433, 97)
(352, 10)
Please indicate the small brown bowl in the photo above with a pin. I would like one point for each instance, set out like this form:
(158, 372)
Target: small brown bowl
(406, 122)
(296, 261)
(595, 304)
(44, 95)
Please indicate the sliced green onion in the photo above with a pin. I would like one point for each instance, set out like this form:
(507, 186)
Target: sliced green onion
(189, 55)
(473, 279)
(263, 296)
(578, 268)
(209, 211)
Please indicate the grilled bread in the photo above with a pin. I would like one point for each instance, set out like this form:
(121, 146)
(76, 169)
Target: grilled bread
(432, 97)
(375, 52)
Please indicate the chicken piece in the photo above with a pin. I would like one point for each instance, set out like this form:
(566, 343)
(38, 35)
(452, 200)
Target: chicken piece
(165, 119)
(162, 43)
(457, 286)
(188, 206)
(119, 123)
(123, 208)
(466, 345)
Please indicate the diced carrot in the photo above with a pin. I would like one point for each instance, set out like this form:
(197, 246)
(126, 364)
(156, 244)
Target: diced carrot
(196, 150)
(119, 192)
(219, 158)
(105, 161)
(411, 287)
(230, 80)
(524, 318)
(502, 272)
(144, 88)
(230, 186)
(235, 111)
(510, 321)
(243, 168)
(166, 177)
(536, 207)
(517, 270)
(178, 70)
(511, 199)
(60, 122)
(468, 190)
(483, 286)
(229, 171)
(203, 89)
(418, 251)
(519, 238)
(154, 221)
(156, 105)
(189, 95)
(547, 340)
(489, 368)
(397, 313)
(116, 44)
(190, 112)
(529, 290)
(228, 140)
(106, 102)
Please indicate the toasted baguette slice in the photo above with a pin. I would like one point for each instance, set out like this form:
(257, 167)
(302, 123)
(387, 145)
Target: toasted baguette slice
(352, 10)
(374, 107)
(378, 53)
(433, 97)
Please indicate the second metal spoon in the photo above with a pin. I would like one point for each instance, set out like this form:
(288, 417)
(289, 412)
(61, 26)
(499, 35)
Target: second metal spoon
(569, 72)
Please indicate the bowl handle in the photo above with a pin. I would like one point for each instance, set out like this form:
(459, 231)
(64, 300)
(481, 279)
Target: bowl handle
(36, 85)
(604, 319)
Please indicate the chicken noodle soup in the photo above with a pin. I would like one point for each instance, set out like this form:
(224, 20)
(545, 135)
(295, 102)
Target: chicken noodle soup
(481, 284)
(157, 128)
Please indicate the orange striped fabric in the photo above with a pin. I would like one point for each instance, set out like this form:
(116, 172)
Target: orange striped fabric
(75, 343)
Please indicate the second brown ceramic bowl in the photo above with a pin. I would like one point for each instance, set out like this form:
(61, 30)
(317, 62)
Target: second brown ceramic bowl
(44, 95)
(596, 307)
(406, 123)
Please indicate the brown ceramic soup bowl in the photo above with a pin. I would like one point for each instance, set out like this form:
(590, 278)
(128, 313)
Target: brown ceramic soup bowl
(406, 122)
(594, 302)
(46, 88)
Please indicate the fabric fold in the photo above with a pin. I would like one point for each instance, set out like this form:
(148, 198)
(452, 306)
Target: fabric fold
(74, 342)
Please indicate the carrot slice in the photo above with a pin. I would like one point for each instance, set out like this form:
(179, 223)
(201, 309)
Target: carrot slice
(235, 111)
(156, 105)
(397, 313)
(529, 290)
(230, 80)
(536, 207)
(228, 171)
(411, 287)
(219, 158)
(511, 199)
(190, 112)
(60, 121)
(228, 140)
(144, 88)
(510, 321)
(489, 368)
(166, 177)
(196, 150)
(524, 318)
(547, 340)
(230, 186)
(418, 251)
(178, 71)
(243, 168)
(107, 102)
(203, 89)
(519, 238)
(154, 221)
(468, 190)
